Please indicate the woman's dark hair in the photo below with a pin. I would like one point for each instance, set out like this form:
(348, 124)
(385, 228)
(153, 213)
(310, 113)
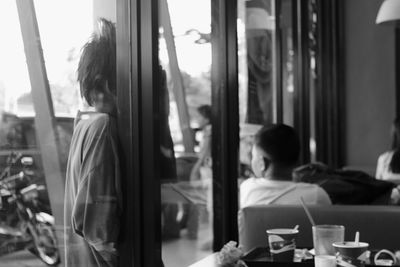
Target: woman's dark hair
(97, 64)
(280, 142)
(205, 111)
(394, 165)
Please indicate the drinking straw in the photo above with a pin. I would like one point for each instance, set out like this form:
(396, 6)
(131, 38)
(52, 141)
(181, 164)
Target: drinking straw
(357, 238)
(307, 211)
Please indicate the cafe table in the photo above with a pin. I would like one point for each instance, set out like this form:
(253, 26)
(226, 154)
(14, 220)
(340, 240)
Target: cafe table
(258, 260)
(211, 261)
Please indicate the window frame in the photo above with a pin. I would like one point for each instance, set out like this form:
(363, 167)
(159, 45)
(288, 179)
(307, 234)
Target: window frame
(225, 126)
(137, 78)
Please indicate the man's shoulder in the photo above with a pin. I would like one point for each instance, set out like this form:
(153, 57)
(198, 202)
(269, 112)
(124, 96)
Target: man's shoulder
(257, 183)
(252, 181)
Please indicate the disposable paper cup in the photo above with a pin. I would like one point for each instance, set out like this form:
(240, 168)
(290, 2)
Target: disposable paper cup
(351, 254)
(282, 244)
(385, 261)
(325, 261)
(324, 236)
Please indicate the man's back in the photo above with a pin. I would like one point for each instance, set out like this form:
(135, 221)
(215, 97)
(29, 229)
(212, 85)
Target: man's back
(262, 191)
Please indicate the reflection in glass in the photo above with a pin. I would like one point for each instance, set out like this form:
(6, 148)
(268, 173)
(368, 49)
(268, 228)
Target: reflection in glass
(288, 90)
(26, 151)
(14, 77)
(23, 190)
(257, 72)
(93, 196)
(313, 24)
(260, 30)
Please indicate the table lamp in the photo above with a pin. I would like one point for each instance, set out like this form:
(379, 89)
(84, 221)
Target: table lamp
(389, 12)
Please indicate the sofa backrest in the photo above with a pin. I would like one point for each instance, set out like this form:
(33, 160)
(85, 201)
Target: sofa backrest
(378, 225)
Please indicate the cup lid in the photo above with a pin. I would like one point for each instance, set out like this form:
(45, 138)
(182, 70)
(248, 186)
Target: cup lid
(282, 231)
(350, 244)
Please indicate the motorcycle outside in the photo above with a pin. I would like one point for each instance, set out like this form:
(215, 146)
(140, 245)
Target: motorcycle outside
(23, 223)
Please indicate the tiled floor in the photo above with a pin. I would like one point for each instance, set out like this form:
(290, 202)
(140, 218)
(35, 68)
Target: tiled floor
(176, 253)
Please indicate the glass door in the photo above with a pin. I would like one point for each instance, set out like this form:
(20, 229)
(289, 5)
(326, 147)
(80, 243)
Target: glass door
(185, 126)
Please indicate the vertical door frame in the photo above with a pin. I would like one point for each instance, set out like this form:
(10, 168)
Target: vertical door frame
(330, 104)
(397, 70)
(225, 125)
(138, 83)
(279, 66)
(301, 77)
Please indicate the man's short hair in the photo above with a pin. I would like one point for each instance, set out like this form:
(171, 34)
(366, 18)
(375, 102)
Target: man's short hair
(280, 142)
(97, 64)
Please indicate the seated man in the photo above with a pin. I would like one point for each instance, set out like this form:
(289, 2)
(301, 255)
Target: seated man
(274, 155)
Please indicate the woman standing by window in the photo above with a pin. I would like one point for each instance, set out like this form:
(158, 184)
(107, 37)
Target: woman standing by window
(388, 166)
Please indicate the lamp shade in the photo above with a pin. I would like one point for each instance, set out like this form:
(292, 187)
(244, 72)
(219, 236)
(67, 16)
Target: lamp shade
(389, 12)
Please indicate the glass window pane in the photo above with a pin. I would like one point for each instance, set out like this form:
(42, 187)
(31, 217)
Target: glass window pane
(62, 39)
(288, 88)
(257, 73)
(258, 22)
(14, 77)
(313, 24)
(34, 147)
(185, 131)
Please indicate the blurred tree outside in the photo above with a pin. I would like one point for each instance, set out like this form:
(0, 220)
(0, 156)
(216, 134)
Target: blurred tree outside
(198, 92)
